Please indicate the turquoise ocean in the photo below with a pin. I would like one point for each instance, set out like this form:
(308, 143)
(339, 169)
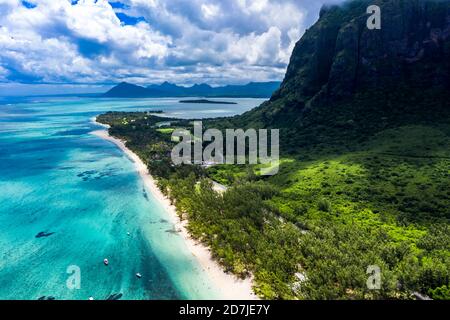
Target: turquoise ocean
(69, 199)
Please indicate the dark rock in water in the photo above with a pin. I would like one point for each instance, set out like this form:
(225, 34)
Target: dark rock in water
(173, 231)
(95, 175)
(144, 193)
(115, 296)
(161, 221)
(44, 234)
(86, 173)
(49, 298)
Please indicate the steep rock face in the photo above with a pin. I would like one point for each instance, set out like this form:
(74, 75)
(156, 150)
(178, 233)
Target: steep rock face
(339, 56)
(345, 83)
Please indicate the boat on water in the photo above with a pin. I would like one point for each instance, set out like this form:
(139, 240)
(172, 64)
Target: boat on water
(106, 262)
(139, 275)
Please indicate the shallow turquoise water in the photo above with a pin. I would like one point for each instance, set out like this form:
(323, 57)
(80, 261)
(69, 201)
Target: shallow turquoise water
(85, 195)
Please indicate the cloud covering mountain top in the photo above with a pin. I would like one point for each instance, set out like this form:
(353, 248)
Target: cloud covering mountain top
(148, 41)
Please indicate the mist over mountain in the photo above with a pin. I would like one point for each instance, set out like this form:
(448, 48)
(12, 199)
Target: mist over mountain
(250, 90)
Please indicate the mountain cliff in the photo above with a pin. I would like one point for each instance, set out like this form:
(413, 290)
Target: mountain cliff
(354, 80)
(340, 55)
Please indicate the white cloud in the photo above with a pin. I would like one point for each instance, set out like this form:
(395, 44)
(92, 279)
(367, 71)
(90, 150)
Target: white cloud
(210, 11)
(253, 5)
(212, 41)
(3, 74)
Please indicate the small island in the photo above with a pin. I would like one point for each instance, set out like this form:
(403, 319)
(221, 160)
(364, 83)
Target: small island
(207, 101)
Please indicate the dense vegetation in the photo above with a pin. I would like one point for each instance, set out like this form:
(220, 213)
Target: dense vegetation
(326, 216)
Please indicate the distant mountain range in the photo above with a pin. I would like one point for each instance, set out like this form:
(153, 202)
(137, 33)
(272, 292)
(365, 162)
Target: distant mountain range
(250, 90)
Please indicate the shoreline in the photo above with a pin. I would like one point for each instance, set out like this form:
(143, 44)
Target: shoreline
(229, 285)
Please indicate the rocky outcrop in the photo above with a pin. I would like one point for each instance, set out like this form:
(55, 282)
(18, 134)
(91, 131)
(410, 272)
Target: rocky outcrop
(345, 82)
(339, 55)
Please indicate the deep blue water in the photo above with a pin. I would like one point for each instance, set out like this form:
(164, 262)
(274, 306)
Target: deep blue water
(83, 196)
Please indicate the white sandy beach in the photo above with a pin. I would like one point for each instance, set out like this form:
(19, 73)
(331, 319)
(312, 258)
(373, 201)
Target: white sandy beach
(230, 286)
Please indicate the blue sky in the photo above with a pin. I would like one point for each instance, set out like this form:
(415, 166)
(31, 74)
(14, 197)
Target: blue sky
(92, 42)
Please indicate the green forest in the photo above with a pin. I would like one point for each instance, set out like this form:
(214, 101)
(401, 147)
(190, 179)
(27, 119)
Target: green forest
(311, 231)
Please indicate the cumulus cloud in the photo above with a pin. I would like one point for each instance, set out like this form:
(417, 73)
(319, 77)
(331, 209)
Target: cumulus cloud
(148, 41)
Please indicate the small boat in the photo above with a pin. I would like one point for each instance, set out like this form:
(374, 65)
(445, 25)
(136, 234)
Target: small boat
(139, 275)
(106, 262)
(91, 298)
(128, 233)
